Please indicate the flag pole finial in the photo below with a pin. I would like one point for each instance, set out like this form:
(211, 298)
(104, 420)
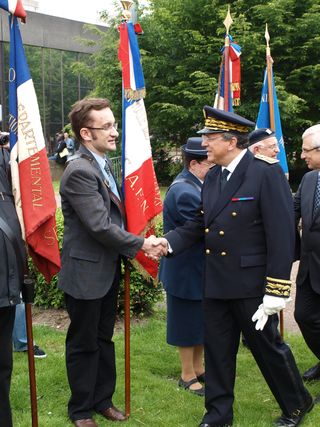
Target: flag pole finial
(267, 37)
(228, 21)
(126, 14)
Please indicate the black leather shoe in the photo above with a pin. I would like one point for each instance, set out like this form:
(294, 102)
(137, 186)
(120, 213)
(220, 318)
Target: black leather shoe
(295, 418)
(312, 374)
(202, 377)
(214, 425)
(186, 385)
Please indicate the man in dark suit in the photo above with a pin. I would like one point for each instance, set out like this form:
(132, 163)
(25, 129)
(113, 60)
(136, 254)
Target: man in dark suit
(182, 276)
(12, 263)
(248, 224)
(94, 240)
(307, 208)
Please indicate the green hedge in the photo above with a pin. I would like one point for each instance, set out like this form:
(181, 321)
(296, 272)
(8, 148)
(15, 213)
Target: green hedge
(144, 294)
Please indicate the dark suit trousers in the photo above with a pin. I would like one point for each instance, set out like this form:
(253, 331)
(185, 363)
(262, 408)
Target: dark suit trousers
(307, 315)
(224, 320)
(90, 355)
(6, 326)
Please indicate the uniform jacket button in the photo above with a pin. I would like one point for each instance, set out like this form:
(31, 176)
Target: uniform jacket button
(223, 253)
(221, 233)
(207, 230)
(208, 251)
(234, 214)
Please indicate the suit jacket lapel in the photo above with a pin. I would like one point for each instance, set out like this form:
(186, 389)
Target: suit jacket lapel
(231, 187)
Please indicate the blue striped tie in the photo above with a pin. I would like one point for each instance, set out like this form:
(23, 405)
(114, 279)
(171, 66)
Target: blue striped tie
(316, 201)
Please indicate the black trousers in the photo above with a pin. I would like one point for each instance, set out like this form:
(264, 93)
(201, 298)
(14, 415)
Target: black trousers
(90, 355)
(224, 320)
(307, 315)
(6, 326)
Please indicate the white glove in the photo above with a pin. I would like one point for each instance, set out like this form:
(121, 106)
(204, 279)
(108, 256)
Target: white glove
(273, 305)
(261, 317)
(270, 305)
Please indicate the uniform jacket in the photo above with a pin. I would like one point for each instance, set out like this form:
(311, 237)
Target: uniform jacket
(11, 276)
(93, 234)
(246, 240)
(310, 241)
(182, 275)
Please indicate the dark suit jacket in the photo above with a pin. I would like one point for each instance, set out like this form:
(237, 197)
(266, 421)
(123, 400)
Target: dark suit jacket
(93, 234)
(246, 241)
(11, 276)
(310, 241)
(182, 275)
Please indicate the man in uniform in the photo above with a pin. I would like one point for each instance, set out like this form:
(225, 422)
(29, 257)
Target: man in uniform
(263, 142)
(248, 223)
(307, 208)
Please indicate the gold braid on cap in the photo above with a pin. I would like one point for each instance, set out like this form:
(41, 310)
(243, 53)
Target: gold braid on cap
(278, 287)
(214, 124)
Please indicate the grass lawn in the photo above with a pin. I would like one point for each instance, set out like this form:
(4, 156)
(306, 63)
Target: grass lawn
(156, 400)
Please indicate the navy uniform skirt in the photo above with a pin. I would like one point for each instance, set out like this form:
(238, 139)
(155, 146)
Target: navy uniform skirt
(184, 322)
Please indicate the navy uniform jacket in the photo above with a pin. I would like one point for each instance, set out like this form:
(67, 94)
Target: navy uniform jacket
(310, 241)
(246, 241)
(93, 235)
(182, 275)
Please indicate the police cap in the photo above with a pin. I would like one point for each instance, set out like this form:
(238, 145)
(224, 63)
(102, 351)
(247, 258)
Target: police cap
(220, 121)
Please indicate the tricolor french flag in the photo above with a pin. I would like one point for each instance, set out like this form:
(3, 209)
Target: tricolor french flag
(15, 7)
(31, 178)
(141, 191)
(234, 79)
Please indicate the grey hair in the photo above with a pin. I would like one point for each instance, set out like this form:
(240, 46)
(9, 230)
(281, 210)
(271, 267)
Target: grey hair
(313, 131)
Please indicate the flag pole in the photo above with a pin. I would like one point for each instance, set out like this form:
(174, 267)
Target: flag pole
(28, 298)
(126, 15)
(270, 82)
(227, 23)
(272, 121)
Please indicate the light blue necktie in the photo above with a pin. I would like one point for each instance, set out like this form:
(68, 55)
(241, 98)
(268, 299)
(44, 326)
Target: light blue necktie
(112, 182)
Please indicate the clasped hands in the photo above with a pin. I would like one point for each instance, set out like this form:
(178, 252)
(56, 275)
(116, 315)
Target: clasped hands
(270, 305)
(155, 247)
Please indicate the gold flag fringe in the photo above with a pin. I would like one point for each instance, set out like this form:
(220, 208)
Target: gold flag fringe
(236, 102)
(134, 95)
(235, 86)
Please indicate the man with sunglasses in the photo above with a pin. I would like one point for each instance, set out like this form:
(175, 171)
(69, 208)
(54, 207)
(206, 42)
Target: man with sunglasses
(94, 241)
(307, 208)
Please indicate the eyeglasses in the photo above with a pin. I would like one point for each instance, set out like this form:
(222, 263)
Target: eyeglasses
(270, 147)
(207, 138)
(106, 128)
(308, 150)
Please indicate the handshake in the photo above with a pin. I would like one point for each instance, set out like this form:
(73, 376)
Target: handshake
(155, 247)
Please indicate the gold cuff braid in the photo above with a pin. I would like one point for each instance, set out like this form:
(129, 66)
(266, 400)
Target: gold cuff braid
(278, 287)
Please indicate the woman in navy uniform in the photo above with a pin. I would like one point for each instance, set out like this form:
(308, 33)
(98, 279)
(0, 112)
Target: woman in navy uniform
(182, 276)
(248, 225)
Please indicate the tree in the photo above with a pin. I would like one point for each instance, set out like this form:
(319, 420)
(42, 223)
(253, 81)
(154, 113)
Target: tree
(181, 57)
